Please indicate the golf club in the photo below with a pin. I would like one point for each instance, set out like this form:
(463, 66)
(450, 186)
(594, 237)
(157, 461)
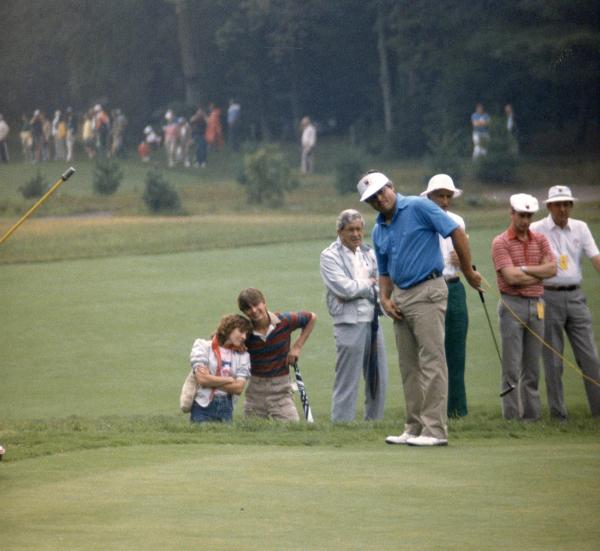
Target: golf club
(66, 175)
(303, 395)
(507, 387)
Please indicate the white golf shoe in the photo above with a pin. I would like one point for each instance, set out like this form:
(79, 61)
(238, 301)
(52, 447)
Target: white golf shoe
(426, 441)
(402, 439)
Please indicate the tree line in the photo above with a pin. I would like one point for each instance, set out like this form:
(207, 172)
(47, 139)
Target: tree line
(392, 72)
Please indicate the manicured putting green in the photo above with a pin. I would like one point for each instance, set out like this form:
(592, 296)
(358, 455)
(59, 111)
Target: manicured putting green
(469, 496)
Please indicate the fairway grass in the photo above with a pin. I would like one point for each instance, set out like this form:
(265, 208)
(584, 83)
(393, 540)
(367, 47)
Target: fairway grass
(491, 495)
(93, 352)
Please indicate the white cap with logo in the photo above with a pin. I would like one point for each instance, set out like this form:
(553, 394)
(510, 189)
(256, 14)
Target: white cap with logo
(557, 194)
(523, 202)
(371, 183)
(441, 181)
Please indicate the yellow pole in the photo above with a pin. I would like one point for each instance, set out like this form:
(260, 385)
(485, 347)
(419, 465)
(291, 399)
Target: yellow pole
(41, 200)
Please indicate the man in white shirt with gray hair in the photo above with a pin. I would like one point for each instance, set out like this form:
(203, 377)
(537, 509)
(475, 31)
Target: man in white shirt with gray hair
(566, 306)
(349, 272)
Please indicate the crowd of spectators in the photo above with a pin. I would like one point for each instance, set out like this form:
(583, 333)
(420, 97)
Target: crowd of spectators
(98, 132)
(44, 137)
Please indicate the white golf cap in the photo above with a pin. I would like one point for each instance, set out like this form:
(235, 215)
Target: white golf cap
(559, 193)
(147, 130)
(441, 181)
(371, 183)
(523, 202)
(97, 107)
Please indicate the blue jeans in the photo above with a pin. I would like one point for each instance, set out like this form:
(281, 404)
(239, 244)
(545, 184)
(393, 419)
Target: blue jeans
(219, 410)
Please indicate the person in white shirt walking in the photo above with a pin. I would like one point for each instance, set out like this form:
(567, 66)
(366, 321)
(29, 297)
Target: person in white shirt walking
(308, 141)
(566, 307)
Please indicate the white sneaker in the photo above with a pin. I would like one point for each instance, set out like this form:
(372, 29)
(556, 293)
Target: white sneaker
(402, 439)
(426, 441)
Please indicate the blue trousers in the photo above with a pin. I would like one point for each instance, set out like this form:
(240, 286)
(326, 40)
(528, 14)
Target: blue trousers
(219, 410)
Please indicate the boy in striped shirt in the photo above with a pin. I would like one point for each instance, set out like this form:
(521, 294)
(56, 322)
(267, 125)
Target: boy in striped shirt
(269, 392)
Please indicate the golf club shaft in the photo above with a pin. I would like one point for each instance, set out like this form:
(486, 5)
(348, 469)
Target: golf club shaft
(40, 201)
(490, 326)
(507, 388)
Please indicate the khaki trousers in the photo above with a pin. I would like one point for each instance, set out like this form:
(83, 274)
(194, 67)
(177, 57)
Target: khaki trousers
(270, 397)
(421, 356)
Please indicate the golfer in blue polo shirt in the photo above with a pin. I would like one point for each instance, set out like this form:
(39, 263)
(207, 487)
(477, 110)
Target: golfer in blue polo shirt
(414, 294)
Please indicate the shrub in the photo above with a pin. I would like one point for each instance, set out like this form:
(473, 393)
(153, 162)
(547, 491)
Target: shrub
(348, 170)
(107, 176)
(159, 195)
(446, 150)
(36, 187)
(500, 163)
(266, 176)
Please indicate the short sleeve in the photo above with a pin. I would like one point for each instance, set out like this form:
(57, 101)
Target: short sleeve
(243, 369)
(200, 353)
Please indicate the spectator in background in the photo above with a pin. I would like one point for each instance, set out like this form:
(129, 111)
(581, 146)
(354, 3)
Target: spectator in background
(480, 121)
(101, 129)
(4, 130)
(522, 260)
(89, 135)
(59, 135)
(184, 141)
(26, 138)
(37, 135)
(511, 127)
(233, 122)
(47, 136)
(171, 136)
(147, 145)
(566, 305)
(442, 191)
(117, 131)
(198, 124)
(71, 123)
(214, 129)
(349, 272)
(308, 142)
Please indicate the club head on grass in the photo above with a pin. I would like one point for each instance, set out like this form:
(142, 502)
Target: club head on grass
(508, 388)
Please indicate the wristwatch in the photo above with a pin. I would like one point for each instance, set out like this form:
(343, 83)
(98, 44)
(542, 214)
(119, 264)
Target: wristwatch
(524, 269)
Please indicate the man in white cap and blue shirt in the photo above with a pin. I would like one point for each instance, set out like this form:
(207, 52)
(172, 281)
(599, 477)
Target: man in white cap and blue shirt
(566, 306)
(414, 294)
(522, 260)
(441, 190)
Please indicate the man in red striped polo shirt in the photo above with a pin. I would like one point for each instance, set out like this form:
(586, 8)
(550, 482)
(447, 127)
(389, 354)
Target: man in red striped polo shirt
(522, 260)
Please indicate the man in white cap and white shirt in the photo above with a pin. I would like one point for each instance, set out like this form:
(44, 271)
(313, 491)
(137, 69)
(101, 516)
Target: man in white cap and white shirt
(441, 190)
(566, 306)
(414, 294)
(522, 260)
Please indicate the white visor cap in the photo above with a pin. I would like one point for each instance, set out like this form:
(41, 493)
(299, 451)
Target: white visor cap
(523, 202)
(371, 183)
